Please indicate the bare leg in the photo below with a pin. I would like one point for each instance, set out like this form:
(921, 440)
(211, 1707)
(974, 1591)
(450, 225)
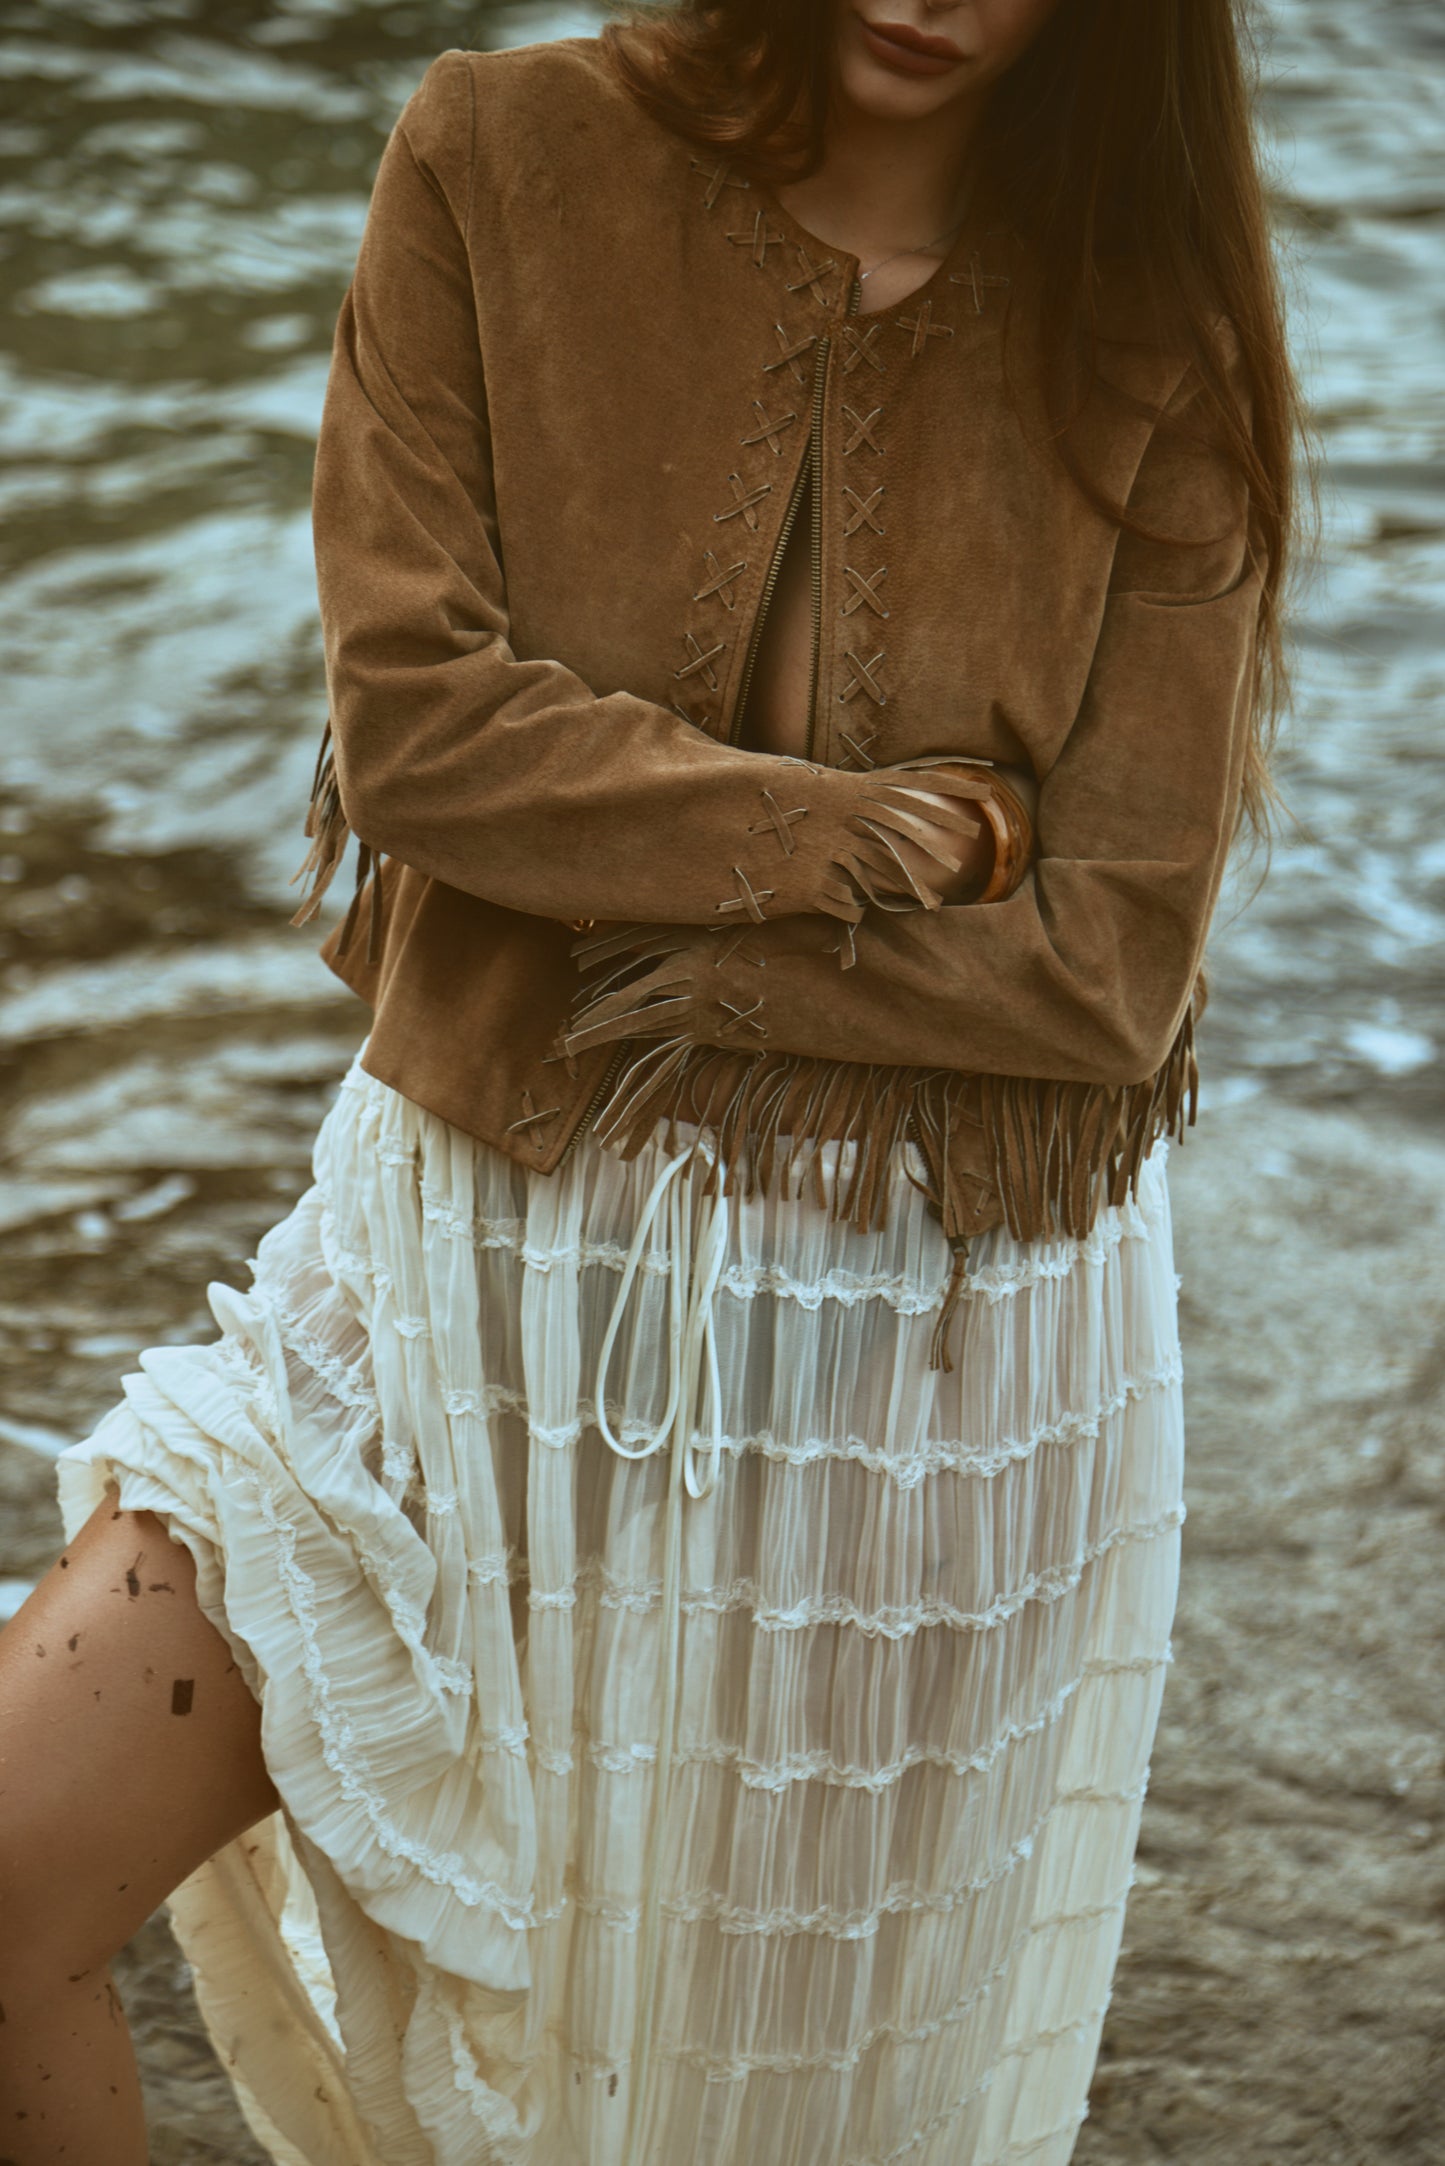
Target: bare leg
(129, 1753)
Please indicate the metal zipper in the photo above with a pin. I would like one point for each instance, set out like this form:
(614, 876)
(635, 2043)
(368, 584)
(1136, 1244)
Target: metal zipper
(594, 1104)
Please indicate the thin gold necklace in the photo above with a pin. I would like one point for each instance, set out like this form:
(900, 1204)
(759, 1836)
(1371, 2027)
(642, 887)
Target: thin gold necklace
(922, 249)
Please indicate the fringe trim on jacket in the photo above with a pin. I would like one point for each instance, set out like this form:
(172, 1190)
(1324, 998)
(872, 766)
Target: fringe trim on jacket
(328, 832)
(1057, 1153)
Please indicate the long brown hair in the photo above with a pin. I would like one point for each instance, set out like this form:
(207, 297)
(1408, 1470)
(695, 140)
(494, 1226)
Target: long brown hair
(1124, 131)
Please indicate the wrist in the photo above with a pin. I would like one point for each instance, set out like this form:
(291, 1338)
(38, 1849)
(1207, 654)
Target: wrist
(1004, 799)
(1011, 829)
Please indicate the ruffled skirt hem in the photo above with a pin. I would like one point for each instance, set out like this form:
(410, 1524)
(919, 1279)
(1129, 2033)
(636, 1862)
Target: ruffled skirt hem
(856, 1890)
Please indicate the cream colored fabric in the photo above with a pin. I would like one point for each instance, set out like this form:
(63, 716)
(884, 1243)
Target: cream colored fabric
(923, 1624)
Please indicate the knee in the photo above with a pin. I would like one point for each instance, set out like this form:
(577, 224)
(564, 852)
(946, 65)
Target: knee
(58, 1933)
(69, 1901)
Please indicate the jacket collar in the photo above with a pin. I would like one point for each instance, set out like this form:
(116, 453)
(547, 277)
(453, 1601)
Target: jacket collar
(969, 280)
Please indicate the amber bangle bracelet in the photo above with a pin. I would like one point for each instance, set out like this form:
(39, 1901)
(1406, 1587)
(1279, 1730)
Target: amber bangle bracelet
(1013, 842)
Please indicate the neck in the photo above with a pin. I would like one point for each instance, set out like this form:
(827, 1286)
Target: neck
(887, 184)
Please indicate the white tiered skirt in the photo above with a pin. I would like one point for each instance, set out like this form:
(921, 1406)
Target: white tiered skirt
(767, 1797)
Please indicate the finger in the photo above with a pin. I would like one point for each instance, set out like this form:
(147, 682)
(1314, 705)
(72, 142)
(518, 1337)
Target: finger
(960, 778)
(923, 828)
(947, 811)
(887, 886)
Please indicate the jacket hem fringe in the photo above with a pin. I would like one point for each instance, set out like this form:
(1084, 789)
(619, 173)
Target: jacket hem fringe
(1057, 1152)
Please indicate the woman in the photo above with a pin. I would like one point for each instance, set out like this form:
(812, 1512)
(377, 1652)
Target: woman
(685, 1525)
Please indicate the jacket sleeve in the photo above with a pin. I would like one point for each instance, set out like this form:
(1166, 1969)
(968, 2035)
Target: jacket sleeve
(504, 777)
(1085, 973)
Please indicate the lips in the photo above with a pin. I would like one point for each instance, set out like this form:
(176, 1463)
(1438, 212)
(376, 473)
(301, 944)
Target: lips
(906, 51)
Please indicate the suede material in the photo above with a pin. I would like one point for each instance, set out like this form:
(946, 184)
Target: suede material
(575, 383)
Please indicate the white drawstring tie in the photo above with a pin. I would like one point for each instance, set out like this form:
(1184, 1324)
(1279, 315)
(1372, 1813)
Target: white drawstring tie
(695, 1263)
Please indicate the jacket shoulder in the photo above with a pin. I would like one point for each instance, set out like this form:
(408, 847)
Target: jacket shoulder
(522, 98)
(568, 78)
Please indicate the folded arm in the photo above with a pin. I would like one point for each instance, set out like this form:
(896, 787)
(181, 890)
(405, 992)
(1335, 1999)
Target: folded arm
(1086, 971)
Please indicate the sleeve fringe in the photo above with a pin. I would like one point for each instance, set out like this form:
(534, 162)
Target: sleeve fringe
(328, 831)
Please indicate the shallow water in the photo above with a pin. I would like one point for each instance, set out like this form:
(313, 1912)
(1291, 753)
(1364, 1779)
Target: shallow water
(1331, 983)
(182, 188)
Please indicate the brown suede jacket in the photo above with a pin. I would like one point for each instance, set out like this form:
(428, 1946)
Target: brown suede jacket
(579, 379)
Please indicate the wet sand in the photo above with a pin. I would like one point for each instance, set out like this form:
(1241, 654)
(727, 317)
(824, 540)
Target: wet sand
(1281, 1995)
(1282, 1991)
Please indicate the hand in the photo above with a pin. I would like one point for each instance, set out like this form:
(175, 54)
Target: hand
(924, 838)
(956, 860)
(953, 863)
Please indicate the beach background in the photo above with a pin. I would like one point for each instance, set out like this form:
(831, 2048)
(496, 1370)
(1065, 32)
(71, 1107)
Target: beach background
(182, 189)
